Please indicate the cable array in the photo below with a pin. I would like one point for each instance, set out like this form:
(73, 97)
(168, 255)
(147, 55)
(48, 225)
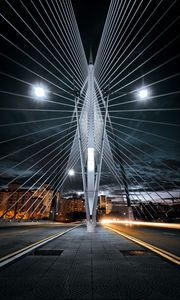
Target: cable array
(37, 134)
(135, 136)
(138, 50)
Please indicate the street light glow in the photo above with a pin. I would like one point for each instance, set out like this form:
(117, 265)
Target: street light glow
(143, 93)
(71, 172)
(39, 92)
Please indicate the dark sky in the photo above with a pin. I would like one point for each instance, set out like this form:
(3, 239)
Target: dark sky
(150, 160)
(91, 16)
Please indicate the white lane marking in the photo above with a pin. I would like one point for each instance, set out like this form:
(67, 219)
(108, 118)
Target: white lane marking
(17, 254)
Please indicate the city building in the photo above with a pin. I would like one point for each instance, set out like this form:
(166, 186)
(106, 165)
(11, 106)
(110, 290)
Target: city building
(19, 203)
(4, 194)
(45, 195)
(71, 209)
(15, 202)
(105, 205)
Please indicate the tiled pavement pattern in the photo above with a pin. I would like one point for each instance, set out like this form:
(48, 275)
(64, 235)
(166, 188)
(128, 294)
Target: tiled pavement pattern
(91, 266)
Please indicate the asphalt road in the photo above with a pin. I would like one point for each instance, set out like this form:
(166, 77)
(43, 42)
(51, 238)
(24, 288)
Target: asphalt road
(91, 266)
(17, 236)
(14, 237)
(166, 239)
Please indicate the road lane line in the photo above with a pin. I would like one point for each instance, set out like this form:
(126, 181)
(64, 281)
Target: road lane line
(19, 253)
(169, 256)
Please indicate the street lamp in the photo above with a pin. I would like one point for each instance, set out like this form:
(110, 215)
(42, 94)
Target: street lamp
(39, 92)
(71, 172)
(143, 93)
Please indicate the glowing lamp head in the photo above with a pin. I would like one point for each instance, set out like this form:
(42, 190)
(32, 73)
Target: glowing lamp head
(143, 94)
(71, 172)
(39, 92)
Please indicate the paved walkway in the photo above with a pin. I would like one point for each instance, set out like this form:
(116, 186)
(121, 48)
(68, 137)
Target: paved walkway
(91, 266)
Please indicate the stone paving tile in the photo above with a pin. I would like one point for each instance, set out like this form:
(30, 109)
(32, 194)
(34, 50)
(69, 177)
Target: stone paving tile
(90, 267)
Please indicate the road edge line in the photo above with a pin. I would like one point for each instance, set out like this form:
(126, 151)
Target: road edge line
(167, 255)
(22, 252)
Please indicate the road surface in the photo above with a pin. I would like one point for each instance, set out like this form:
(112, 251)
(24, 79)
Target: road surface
(164, 238)
(14, 237)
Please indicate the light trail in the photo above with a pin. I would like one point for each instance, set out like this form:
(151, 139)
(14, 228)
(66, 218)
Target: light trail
(139, 223)
(163, 253)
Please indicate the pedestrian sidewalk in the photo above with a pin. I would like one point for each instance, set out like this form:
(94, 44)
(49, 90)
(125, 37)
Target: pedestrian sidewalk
(82, 265)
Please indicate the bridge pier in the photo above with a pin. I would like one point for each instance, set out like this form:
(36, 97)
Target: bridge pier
(91, 226)
(130, 214)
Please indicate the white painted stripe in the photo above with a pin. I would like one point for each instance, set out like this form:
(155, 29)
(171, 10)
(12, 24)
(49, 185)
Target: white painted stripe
(17, 254)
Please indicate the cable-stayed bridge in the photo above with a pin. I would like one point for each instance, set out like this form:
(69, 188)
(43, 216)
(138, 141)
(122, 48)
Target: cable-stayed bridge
(89, 105)
(115, 112)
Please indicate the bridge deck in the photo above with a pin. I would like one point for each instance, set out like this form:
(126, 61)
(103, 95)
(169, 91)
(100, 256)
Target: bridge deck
(91, 266)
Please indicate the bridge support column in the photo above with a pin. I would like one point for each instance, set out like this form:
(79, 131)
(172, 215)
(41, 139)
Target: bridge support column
(90, 154)
(124, 180)
(91, 226)
(130, 214)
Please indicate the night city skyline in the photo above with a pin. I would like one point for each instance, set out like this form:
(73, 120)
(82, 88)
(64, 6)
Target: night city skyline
(147, 135)
(89, 150)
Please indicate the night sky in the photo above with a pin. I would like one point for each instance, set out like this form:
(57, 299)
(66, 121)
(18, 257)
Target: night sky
(148, 140)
